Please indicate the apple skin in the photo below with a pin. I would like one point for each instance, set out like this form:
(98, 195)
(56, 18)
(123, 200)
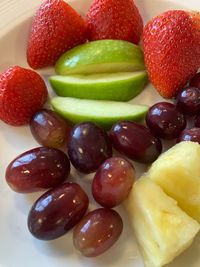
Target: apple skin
(101, 57)
(103, 113)
(116, 87)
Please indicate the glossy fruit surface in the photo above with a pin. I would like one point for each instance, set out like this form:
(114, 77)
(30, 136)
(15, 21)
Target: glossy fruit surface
(113, 182)
(88, 147)
(49, 129)
(171, 44)
(165, 120)
(114, 19)
(135, 141)
(37, 169)
(188, 100)
(190, 135)
(22, 93)
(56, 28)
(195, 81)
(57, 211)
(103, 56)
(97, 232)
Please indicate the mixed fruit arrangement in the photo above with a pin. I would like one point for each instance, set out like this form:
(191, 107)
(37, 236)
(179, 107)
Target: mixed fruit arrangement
(102, 62)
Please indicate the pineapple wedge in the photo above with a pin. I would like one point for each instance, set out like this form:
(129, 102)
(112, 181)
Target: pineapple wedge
(162, 229)
(177, 171)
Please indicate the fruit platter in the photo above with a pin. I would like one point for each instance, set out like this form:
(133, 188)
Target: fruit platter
(100, 133)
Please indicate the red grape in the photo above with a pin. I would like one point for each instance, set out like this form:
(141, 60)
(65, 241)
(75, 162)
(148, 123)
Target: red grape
(88, 147)
(195, 81)
(49, 129)
(37, 169)
(97, 232)
(188, 100)
(190, 135)
(57, 211)
(135, 141)
(165, 120)
(112, 182)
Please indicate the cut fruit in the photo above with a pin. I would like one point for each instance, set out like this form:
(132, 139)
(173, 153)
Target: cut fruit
(116, 86)
(162, 229)
(101, 57)
(177, 171)
(103, 113)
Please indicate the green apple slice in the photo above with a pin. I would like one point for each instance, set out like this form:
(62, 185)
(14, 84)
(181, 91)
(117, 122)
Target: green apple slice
(116, 86)
(103, 113)
(101, 57)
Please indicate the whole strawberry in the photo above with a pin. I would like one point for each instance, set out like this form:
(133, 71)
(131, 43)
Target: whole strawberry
(172, 50)
(22, 93)
(114, 19)
(56, 28)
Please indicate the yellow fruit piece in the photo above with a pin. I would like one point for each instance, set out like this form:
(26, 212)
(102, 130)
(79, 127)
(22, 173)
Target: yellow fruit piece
(177, 171)
(162, 229)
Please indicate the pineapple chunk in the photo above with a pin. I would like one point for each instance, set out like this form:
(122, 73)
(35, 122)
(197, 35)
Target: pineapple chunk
(162, 229)
(177, 171)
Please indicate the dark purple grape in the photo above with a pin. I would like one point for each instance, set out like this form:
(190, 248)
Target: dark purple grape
(88, 147)
(188, 100)
(197, 121)
(190, 135)
(195, 81)
(165, 120)
(97, 232)
(57, 211)
(113, 182)
(135, 141)
(49, 129)
(38, 169)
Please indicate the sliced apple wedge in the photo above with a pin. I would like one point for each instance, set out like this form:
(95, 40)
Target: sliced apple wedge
(162, 229)
(103, 113)
(101, 57)
(110, 86)
(177, 171)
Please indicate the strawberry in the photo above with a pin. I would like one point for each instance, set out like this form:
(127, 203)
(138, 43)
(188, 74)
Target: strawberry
(114, 19)
(56, 28)
(172, 50)
(22, 93)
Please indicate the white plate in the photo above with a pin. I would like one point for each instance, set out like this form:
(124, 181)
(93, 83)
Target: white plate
(17, 247)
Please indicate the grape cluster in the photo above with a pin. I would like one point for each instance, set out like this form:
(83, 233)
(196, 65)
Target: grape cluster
(89, 150)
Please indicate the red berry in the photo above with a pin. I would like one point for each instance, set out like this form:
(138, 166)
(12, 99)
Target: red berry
(188, 100)
(172, 50)
(56, 28)
(192, 135)
(113, 182)
(22, 93)
(97, 232)
(165, 120)
(57, 211)
(135, 141)
(114, 19)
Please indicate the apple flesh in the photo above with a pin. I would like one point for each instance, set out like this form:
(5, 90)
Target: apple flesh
(101, 57)
(103, 113)
(116, 86)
